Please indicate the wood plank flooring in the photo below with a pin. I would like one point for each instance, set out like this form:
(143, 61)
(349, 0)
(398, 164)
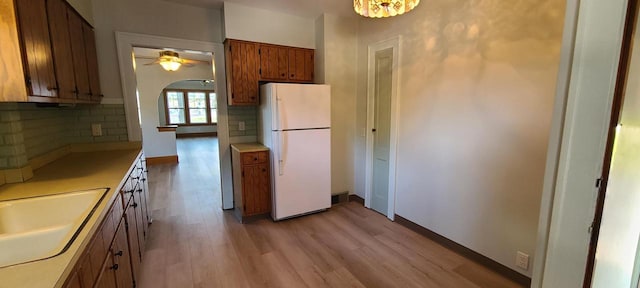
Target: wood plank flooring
(193, 243)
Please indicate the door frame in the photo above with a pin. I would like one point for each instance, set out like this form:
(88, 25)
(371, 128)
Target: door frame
(395, 44)
(125, 43)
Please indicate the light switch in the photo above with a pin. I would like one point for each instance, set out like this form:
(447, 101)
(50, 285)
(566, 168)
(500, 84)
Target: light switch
(96, 129)
(241, 126)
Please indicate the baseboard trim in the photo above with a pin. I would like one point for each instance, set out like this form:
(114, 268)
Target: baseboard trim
(173, 159)
(356, 198)
(194, 135)
(464, 251)
(340, 198)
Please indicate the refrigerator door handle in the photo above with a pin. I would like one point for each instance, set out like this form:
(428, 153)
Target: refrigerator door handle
(281, 154)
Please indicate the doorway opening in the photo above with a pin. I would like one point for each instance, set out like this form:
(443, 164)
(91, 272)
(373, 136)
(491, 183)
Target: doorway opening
(147, 104)
(169, 102)
(614, 256)
(382, 126)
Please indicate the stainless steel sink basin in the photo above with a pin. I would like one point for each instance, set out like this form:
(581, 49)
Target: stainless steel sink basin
(37, 228)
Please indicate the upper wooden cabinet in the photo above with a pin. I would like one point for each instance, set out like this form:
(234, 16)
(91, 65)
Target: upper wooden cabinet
(92, 62)
(301, 65)
(36, 47)
(56, 60)
(61, 42)
(274, 63)
(248, 63)
(242, 72)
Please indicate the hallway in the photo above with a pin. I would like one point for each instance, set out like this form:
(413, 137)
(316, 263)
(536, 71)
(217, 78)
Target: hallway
(193, 243)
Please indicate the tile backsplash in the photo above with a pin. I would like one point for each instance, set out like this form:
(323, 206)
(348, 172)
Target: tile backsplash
(28, 130)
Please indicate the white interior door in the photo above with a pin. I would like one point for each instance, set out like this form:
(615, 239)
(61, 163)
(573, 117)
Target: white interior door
(381, 130)
(301, 172)
(302, 106)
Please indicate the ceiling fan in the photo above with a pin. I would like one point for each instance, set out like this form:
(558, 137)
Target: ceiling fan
(171, 61)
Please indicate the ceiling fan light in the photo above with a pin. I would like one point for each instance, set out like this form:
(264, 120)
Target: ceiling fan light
(170, 60)
(383, 8)
(170, 65)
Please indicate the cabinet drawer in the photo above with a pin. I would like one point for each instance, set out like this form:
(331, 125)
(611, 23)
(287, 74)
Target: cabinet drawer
(254, 157)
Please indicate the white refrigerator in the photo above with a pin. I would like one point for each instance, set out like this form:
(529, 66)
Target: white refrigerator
(295, 123)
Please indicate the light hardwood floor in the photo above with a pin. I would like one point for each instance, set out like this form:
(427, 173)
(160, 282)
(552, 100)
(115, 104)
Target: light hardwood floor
(193, 243)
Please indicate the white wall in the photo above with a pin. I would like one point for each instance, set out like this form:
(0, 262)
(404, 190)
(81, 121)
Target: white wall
(152, 79)
(85, 8)
(336, 65)
(151, 17)
(475, 101)
(260, 25)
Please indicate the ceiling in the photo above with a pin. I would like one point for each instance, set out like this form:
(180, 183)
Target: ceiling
(303, 8)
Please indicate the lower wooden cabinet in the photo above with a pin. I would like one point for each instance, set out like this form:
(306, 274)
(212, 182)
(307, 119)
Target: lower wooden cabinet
(122, 258)
(251, 180)
(114, 255)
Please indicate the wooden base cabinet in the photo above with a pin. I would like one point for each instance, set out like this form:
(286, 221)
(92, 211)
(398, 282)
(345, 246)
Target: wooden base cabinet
(114, 255)
(251, 181)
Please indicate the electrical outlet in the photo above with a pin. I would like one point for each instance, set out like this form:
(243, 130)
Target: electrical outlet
(241, 126)
(96, 129)
(522, 260)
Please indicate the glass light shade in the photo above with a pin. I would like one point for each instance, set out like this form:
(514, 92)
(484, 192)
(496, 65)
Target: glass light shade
(170, 65)
(383, 8)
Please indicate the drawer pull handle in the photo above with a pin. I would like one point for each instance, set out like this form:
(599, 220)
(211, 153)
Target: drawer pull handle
(119, 253)
(114, 267)
(255, 159)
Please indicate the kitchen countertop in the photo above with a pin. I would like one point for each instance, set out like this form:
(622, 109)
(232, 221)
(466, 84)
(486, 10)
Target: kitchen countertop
(249, 147)
(74, 172)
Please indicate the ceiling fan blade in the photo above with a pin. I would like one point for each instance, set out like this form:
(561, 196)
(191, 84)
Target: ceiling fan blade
(192, 61)
(153, 63)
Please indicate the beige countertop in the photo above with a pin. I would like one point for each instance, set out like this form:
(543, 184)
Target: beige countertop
(249, 147)
(74, 172)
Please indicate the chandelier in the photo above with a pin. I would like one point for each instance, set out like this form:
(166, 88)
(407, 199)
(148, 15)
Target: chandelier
(383, 8)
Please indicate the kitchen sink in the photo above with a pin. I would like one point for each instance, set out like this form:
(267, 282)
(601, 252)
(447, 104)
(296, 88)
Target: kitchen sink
(37, 228)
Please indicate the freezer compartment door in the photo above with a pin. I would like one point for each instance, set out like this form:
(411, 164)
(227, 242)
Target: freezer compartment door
(301, 106)
(301, 172)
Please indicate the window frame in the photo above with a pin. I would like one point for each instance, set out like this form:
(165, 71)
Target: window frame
(187, 118)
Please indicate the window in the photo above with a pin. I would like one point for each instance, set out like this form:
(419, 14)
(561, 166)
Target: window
(191, 107)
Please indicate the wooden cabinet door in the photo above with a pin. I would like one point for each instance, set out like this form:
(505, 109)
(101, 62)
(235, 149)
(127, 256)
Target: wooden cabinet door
(61, 44)
(92, 62)
(301, 65)
(274, 63)
(249, 190)
(122, 258)
(85, 271)
(256, 192)
(133, 240)
(107, 278)
(263, 188)
(74, 280)
(36, 46)
(243, 64)
(140, 223)
(81, 73)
